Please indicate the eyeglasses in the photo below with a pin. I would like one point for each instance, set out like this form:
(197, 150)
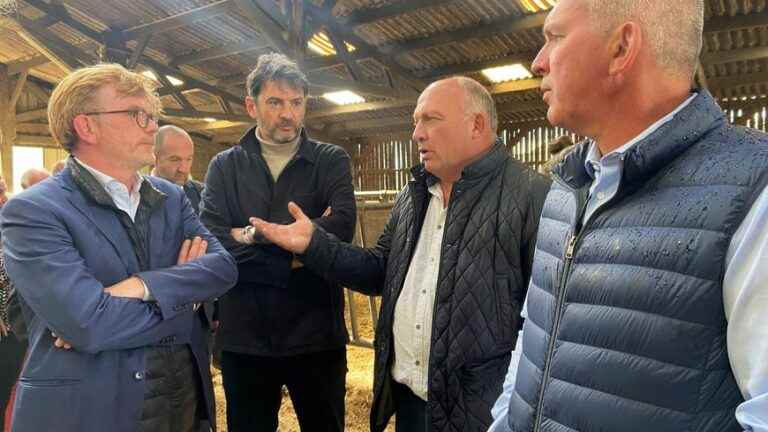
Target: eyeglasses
(142, 117)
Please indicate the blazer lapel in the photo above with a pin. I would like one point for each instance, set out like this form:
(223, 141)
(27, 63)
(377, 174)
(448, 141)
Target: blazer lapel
(107, 223)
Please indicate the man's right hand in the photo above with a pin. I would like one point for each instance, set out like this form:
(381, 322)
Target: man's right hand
(192, 250)
(294, 237)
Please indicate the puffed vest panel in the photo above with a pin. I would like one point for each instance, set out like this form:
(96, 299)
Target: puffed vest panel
(637, 315)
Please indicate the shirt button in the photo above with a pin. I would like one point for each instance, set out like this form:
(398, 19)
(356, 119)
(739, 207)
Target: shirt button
(418, 327)
(439, 227)
(138, 375)
(417, 362)
(423, 291)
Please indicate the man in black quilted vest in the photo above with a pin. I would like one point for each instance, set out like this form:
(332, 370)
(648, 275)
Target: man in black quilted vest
(451, 266)
(646, 307)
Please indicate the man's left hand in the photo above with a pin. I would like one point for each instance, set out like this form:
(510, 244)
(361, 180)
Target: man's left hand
(129, 288)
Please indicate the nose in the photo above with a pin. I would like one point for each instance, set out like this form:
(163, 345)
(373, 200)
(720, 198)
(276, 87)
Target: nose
(185, 167)
(540, 65)
(287, 112)
(419, 135)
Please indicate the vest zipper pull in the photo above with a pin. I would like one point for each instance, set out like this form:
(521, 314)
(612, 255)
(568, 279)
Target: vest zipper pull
(570, 247)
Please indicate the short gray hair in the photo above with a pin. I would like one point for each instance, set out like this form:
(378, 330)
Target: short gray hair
(275, 67)
(479, 100)
(673, 29)
(163, 132)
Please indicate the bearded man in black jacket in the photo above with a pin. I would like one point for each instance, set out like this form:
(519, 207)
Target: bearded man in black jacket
(282, 324)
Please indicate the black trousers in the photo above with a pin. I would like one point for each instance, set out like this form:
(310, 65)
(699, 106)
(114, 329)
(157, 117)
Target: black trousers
(253, 388)
(411, 413)
(12, 353)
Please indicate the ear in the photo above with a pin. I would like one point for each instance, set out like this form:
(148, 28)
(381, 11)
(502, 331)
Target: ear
(479, 125)
(250, 106)
(625, 45)
(84, 128)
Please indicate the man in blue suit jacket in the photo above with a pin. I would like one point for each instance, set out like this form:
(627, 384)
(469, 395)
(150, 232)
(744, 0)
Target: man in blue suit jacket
(111, 266)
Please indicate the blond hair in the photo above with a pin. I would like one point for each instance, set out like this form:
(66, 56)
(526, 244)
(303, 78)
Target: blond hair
(75, 95)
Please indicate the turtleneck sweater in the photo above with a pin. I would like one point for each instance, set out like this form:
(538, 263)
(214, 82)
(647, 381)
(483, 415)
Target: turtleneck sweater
(277, 155)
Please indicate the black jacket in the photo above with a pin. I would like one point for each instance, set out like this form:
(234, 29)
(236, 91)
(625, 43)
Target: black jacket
(485, 265)
(273, 310)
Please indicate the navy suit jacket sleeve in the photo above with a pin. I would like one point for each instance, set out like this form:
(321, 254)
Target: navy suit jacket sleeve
(44, 260)
(176, 288)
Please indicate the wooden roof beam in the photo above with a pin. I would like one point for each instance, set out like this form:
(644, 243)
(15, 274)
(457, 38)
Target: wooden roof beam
(179, 20)
(58, 12)
(20, 66)
(369, 15)
(461, 69)
(28, 116)
(171, 112)
(20, 82)
(188, 80)
(362, 107)
(741, 22)
(58, 51)
(738, 80)
(262, 20)
(735, 55)
(35, 141)
(327, 19)
(213, 53)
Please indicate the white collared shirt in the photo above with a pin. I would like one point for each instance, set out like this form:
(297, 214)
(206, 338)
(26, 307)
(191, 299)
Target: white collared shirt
(125, 200)
(415, 306)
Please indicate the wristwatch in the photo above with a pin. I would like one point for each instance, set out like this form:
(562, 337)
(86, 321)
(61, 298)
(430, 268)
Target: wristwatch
(249, 233)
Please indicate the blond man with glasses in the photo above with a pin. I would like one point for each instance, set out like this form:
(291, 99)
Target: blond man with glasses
(111, 266)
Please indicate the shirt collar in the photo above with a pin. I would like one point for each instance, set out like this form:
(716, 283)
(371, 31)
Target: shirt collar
(594, 159)
(108, 182)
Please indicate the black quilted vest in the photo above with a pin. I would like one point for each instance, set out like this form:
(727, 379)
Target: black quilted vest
(626, 329)
(492, 217)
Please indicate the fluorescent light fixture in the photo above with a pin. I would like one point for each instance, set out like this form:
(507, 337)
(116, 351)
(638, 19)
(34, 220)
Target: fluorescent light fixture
(209, 119)
(507, 73)
(171, 79)
(344, 97)
(321, 44)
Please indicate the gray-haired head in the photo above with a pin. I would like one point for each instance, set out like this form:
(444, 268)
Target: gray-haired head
(165, 131)
(275, 67)
(672, 29)
(478, 100)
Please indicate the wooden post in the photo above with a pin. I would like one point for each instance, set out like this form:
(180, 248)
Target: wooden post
(7, 125)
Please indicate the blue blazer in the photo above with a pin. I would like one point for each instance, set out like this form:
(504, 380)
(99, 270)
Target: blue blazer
(62, 249)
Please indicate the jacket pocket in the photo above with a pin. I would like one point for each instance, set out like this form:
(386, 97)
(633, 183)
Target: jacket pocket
(481, 384)
(52, 404)
(507, 318)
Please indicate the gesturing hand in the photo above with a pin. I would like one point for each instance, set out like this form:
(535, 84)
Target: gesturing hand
(294, 237)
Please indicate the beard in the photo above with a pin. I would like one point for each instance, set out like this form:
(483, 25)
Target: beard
(278, 136)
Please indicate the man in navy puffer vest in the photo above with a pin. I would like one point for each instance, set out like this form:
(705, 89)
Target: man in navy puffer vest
(643, 310)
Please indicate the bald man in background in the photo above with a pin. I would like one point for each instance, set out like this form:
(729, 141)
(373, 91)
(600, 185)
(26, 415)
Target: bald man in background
(33, 176)
(174, 154)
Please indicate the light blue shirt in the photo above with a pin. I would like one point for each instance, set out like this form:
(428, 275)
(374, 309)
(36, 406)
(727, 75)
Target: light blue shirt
(745, 292)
